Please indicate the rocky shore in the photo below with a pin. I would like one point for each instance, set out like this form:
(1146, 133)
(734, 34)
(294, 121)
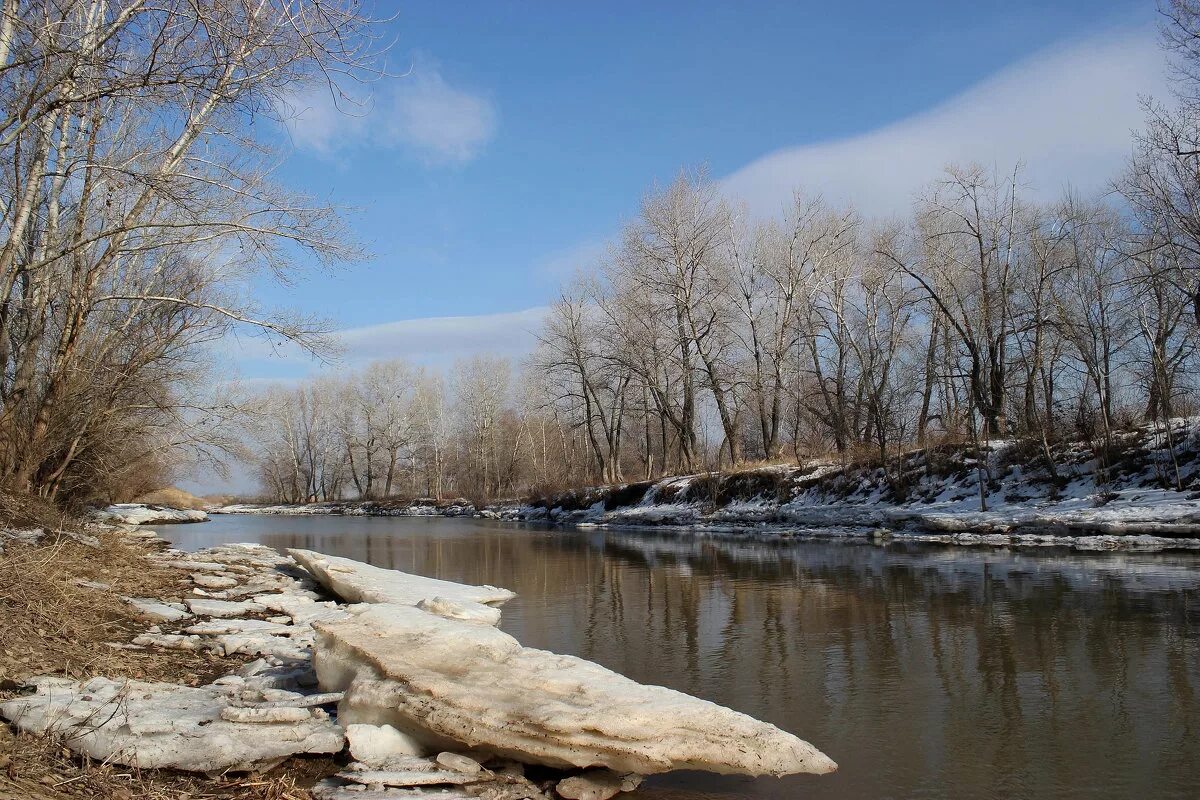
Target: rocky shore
(401, 682)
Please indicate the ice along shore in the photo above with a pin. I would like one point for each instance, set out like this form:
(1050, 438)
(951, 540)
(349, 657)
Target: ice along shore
(403, 679)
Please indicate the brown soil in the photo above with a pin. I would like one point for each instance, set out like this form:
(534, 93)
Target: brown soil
(51, 625)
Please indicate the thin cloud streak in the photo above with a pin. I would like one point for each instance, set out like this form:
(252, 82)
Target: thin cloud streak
(582, 257)
(435, 340)
(432, 341)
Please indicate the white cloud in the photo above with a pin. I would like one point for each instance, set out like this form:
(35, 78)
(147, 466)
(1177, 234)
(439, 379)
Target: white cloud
(1066, 113)
(319, 122)
(418, 112)
(440, 122)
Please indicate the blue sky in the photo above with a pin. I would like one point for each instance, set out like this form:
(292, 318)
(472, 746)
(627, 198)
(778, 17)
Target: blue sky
(526, 132)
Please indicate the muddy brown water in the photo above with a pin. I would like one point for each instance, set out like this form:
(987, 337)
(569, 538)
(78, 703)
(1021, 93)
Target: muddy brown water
(924, 671)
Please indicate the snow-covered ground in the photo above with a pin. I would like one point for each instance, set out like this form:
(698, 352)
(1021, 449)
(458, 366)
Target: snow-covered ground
(454, 508)
(1146, 496)
(144, 514)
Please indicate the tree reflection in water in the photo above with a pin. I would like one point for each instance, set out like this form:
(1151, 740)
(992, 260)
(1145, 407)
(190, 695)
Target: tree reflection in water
(924, 671)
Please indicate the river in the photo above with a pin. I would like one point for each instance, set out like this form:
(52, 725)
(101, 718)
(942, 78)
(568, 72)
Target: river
(924, 671)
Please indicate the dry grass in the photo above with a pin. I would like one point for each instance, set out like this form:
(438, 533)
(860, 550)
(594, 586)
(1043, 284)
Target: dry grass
(38, 768)
(22, 511)
(174, 497)
(53, 625)
(49, 624)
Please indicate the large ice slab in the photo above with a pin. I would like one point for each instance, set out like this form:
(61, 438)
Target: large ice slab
(453, 684)
(357, 582)
(154, 725)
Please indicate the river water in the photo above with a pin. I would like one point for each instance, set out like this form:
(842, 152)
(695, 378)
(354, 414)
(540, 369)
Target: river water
(924, 671)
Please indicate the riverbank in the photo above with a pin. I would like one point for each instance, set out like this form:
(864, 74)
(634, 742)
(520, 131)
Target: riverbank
(1144, 495)
(64, 611)
(1141, 492)
(98, 617)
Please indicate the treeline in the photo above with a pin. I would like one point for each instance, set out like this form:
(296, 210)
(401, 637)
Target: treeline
(390, 430)
(706, 340)
(136, 201)
(984, 315)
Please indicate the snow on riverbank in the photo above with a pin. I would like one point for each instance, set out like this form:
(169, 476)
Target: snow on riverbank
(361, 508)
(145, 514)
(1146, 497)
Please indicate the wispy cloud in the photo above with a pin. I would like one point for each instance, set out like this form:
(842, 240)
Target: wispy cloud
(440, 122)
(437, 340)
(432, 341)
(419, 113)
(319, 121)
(582, 257)
(1066, 113)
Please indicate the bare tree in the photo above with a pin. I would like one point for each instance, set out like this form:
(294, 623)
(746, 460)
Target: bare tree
(1091, 303)
(671, 252)
(481, 386)
(592, 387)
(430, 417)
(966, 266)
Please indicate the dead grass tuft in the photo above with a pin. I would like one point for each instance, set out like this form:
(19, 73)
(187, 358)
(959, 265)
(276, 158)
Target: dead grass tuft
(50, 624)
(24, 511)
(54, 625)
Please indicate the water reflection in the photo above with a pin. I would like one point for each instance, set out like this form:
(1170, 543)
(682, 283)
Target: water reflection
(924, 671)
